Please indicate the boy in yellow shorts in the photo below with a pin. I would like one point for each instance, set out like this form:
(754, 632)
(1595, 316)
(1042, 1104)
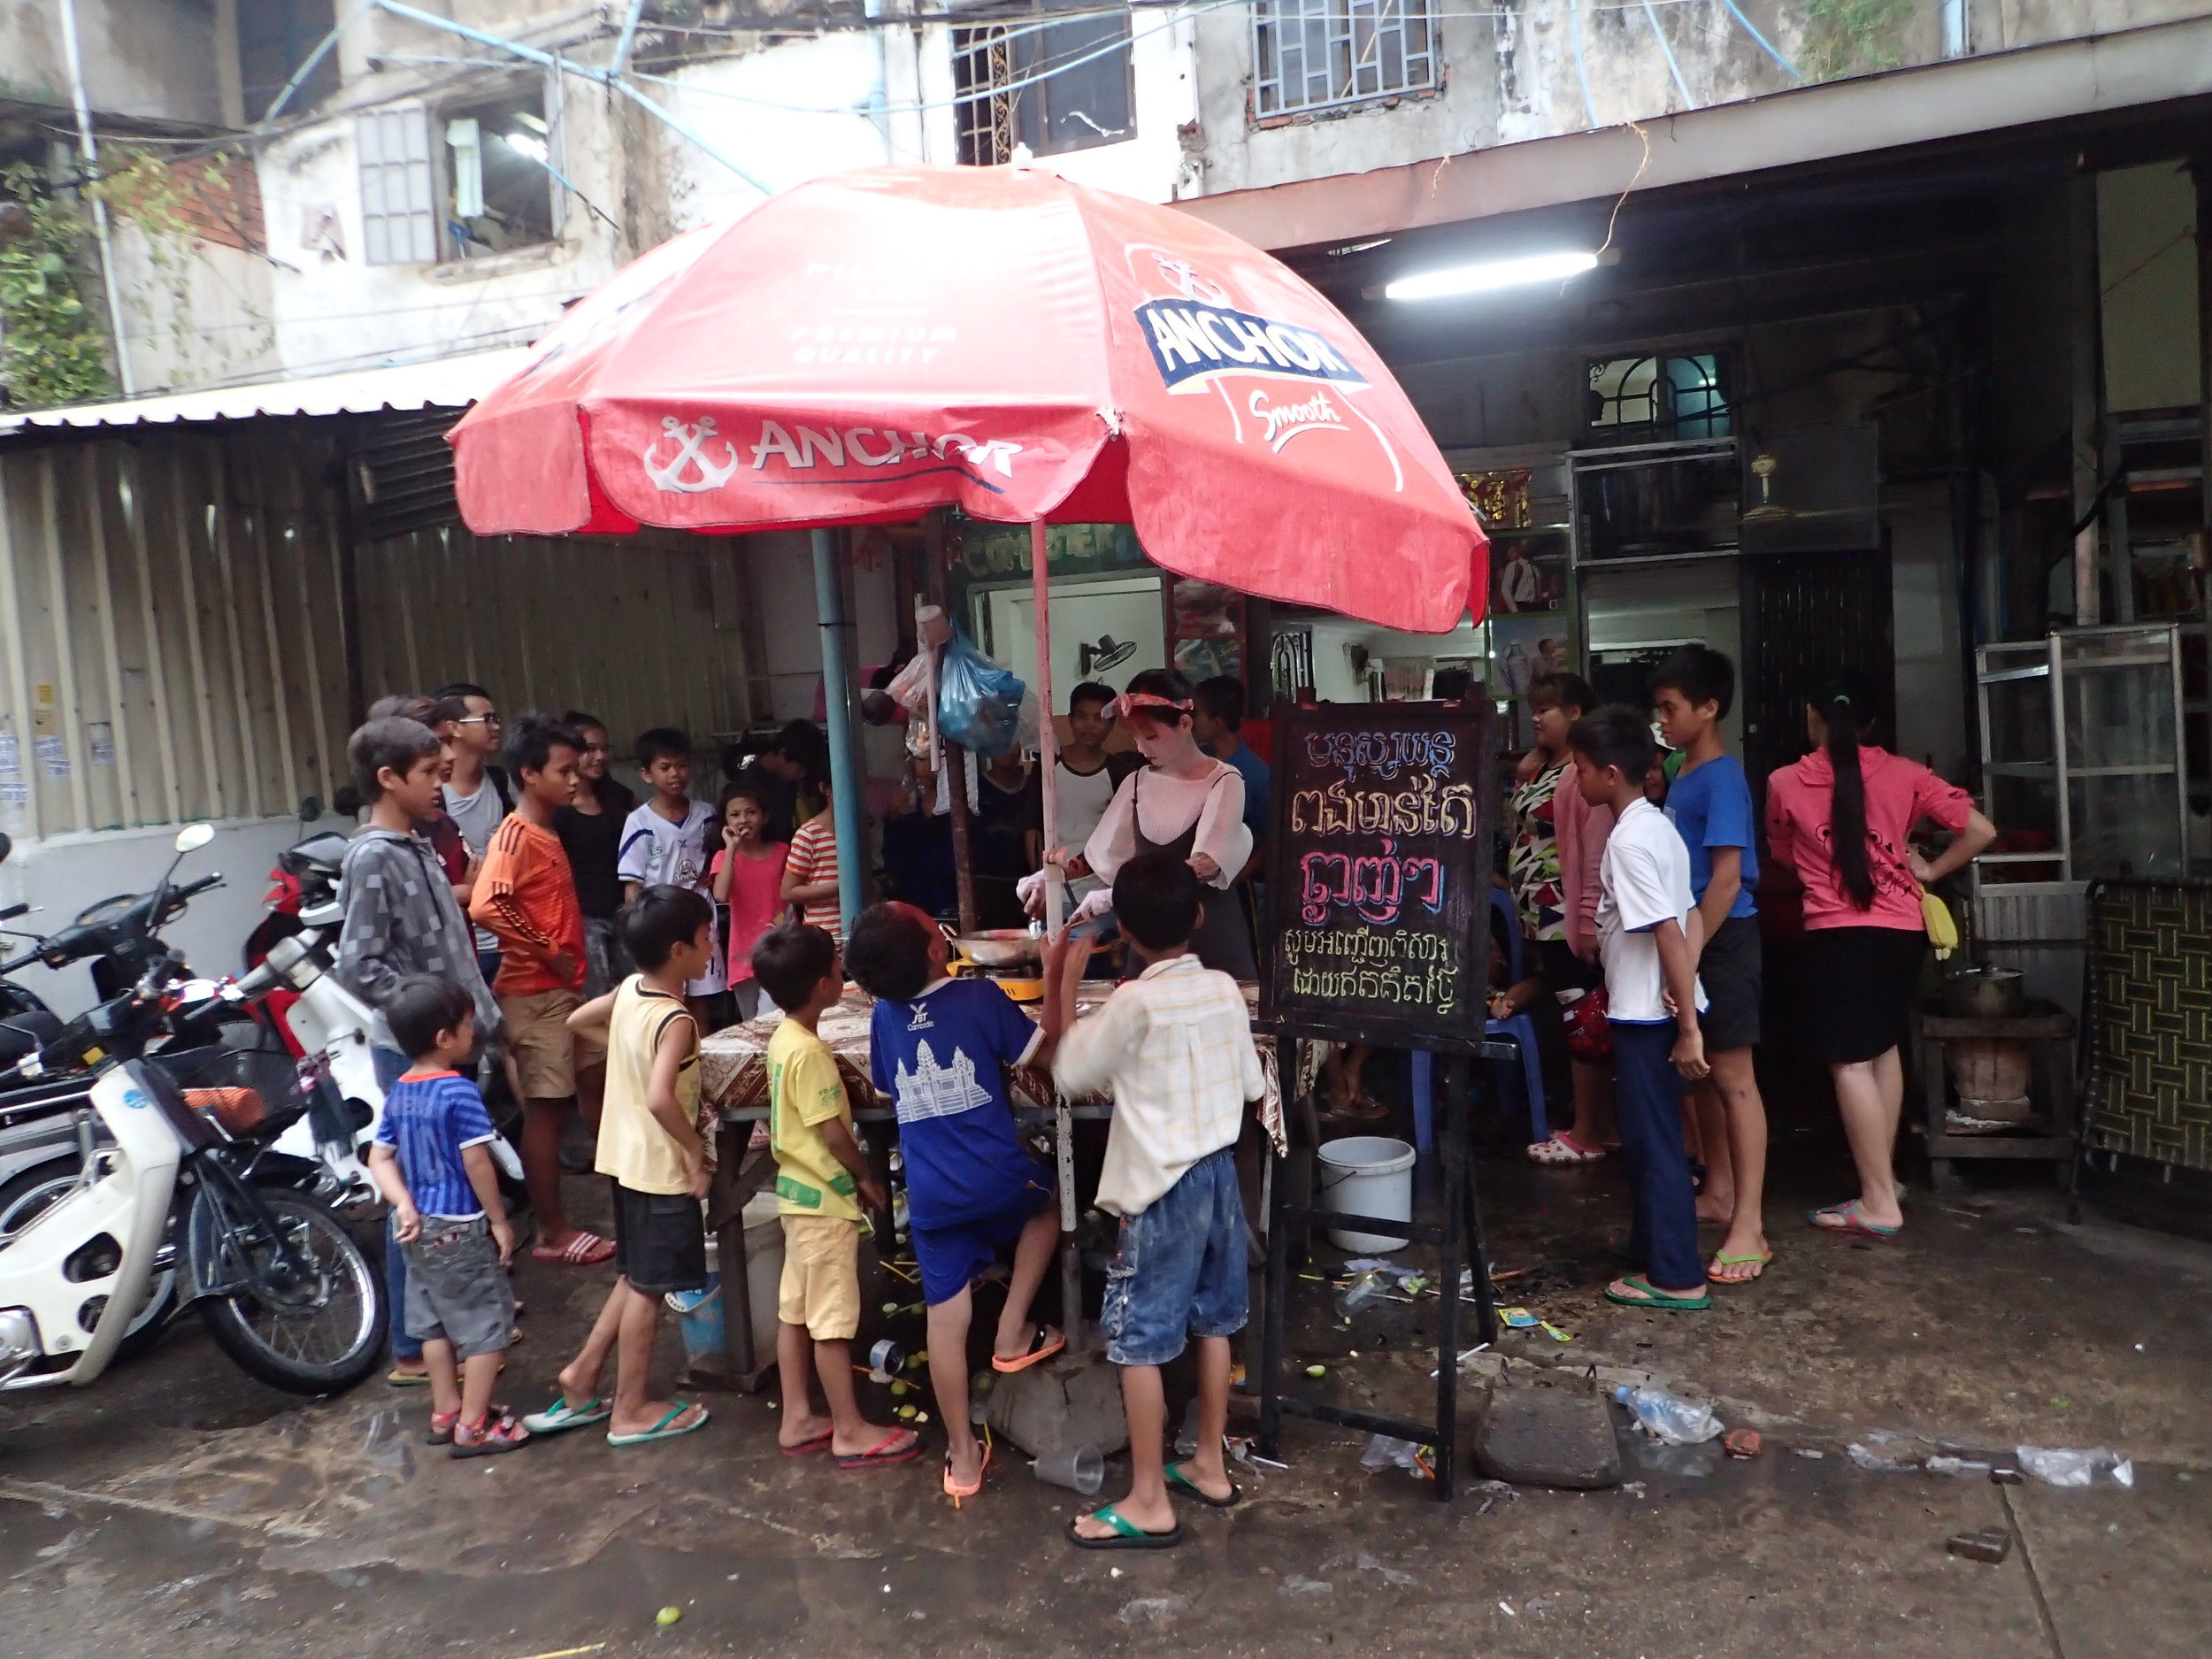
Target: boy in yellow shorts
(821, 1180)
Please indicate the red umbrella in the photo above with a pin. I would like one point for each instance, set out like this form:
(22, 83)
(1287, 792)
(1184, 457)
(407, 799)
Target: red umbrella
(869, 346)
(873, 344)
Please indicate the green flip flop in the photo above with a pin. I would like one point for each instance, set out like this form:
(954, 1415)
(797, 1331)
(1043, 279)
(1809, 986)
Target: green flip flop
(1128, 1533)
(1654, 1297)
(560, 1414)
(660, 1430)
(1179, 1482)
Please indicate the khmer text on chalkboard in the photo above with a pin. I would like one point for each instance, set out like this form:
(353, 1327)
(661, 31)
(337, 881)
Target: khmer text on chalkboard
(1378, 873)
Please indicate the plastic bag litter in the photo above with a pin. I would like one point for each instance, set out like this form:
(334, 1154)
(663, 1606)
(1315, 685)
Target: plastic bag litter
(1384, 1451)
(1884, 1453)
(978, 704)
(910, 687)
(1670, 1418)
(2064, 1467)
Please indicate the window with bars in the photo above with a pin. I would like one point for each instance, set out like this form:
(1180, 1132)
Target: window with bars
(399, 208)
(1054, 87)
(1325, 54)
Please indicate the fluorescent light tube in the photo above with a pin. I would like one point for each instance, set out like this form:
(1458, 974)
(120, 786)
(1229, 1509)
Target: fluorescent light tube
(1493, 274)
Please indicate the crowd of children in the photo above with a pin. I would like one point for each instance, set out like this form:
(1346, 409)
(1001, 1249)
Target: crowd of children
(1635, 888)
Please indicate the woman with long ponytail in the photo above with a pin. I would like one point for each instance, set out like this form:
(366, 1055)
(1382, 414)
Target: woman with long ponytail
(1842, 817)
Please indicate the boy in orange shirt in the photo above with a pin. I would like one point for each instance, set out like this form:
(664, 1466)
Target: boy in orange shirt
(525, 894)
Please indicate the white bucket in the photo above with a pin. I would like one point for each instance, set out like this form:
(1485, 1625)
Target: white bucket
(1366, 1175)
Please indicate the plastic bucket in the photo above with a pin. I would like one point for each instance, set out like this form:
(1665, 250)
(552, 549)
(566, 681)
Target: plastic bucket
(699, 1319)
(1365, 1175)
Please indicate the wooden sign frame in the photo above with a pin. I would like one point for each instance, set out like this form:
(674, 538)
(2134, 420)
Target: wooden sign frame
(1378, 873)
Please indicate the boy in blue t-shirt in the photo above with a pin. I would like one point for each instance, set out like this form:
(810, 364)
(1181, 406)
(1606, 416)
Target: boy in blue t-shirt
(939, 1049)
(432, 1162)
(1709, 802)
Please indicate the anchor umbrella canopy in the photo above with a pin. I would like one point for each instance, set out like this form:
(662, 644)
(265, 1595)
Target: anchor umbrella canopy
(871, 345)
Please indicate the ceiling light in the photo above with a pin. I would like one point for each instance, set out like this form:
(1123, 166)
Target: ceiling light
(533, 148)
(1495, 274)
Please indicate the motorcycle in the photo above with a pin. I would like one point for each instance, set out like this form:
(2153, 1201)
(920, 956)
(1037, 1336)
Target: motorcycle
(176, 1190)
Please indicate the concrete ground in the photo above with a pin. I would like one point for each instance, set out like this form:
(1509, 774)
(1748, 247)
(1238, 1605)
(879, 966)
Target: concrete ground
(178, 1507)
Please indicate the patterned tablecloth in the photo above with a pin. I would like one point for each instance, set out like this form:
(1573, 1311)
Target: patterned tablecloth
(733, 1070)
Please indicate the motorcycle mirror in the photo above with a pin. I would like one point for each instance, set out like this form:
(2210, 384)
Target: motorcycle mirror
(311, 809)
(192, 837)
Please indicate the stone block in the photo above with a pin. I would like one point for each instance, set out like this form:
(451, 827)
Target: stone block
(1547, 1437)
(1070, 1400)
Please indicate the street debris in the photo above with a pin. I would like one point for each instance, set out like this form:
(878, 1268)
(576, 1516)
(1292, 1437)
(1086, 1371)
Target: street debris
(1156, 1609)
(1669, 1417)
(1943, 1463)
(668, 1615)
(1298, 1583)
(2067, 1468)
(1383, 1452)
(1882, 1452)
(1991, 1544)
(1742, 1443)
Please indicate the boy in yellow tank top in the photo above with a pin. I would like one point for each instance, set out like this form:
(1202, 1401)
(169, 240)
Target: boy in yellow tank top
(650, 1147)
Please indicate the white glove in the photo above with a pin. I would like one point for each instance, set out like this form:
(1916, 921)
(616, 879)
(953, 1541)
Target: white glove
(1030, 890)
(1097, 901)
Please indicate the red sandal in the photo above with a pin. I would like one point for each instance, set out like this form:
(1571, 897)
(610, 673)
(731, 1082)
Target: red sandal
(496, 1431)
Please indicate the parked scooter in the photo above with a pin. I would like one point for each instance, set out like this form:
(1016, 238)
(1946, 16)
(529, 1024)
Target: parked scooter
(281, 1284)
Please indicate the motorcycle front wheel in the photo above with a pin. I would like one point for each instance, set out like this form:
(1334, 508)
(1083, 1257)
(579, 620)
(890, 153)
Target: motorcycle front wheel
(318, 1332)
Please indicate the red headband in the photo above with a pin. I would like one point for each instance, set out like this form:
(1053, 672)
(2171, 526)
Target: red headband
(1136, 701)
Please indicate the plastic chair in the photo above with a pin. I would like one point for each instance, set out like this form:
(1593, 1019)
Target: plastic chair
(1520, 1030)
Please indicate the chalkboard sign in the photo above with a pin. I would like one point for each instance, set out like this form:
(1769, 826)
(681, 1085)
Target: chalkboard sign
(1378, 873)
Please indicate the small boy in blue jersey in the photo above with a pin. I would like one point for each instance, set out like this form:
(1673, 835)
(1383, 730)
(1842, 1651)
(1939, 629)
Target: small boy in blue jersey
(940, 1048)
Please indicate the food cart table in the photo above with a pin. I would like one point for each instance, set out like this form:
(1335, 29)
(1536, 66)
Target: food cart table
(733, 1105)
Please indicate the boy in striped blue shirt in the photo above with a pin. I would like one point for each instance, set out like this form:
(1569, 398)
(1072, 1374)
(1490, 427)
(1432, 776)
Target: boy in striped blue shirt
(432, 1162)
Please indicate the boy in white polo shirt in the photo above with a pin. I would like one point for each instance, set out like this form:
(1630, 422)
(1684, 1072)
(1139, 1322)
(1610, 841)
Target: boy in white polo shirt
(1652, 1002)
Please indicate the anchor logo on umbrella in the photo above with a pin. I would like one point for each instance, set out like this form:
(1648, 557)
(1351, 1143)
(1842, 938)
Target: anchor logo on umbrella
(705, 474)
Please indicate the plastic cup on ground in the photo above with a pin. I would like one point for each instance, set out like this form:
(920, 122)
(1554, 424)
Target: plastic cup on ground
(1080, 1469)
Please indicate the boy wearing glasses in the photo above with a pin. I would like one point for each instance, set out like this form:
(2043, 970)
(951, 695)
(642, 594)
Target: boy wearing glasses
(477, 796)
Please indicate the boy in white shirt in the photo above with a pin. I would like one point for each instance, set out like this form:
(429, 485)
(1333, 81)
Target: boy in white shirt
(1645, 931)
(1175, 1046)
(664, 843)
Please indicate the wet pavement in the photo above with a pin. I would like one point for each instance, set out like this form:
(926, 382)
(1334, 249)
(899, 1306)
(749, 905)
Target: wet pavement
(178, 1507)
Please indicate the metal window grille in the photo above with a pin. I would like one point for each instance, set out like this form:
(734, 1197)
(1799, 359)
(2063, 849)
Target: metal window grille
(399, 220)
(1056, 87)
(1319, 54)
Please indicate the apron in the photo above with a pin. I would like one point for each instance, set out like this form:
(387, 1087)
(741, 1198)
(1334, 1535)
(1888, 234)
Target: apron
(1224, 940)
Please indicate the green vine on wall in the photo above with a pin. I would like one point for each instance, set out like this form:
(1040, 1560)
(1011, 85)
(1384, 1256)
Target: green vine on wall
(144, 189)
(1844, 37)
(53, 348)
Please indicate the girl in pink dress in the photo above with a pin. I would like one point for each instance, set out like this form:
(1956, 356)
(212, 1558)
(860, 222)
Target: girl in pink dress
(747, 877)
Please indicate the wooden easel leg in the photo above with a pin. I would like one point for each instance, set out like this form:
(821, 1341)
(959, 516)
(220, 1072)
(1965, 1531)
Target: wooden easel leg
(1272, 1311)
(1478, 1246)
(1451, 1257)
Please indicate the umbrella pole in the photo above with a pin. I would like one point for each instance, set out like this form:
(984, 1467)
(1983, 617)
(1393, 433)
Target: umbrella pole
(837, 687)
(1056, 908)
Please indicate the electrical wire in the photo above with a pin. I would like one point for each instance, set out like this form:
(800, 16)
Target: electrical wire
(1666, 51)
(1789, 68)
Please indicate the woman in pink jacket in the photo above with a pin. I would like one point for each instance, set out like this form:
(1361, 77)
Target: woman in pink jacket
(1842, 817)
(1553, 872)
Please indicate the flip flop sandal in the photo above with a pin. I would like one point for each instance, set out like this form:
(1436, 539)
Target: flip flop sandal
(820, 1442)
(1128, 1533)
(1653, 1297)
(498, 1432)
(1179, 1483)
(560, 1414)
(586, 1249)
(1713, 1276)
(1040, 1348)
(956, 1492)
(399, 1379)
(660, 1430)
(1845, 1218)
(880, 1453)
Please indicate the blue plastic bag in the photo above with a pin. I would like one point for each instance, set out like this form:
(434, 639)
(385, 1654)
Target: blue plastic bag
(978, 704)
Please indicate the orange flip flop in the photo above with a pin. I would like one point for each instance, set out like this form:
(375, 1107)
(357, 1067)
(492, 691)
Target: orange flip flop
(956, 1492)
(1044, 1342)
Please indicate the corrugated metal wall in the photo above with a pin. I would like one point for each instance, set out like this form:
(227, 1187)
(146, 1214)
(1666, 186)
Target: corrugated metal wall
(641, 632)
(170, 636)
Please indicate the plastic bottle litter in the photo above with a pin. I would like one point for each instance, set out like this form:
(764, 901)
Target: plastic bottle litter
(1669, 1417)
(885, 1358)
(2064, 1467)
(1943, 1463)
(1080, 1469)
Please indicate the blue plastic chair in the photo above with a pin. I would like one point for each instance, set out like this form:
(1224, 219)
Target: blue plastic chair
(1520, 1030)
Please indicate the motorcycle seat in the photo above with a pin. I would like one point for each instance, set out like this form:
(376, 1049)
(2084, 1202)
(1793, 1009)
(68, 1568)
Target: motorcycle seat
(24, 1033)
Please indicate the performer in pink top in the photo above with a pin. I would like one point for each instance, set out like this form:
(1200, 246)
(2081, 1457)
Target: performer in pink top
(748, 876)
(1841, 818)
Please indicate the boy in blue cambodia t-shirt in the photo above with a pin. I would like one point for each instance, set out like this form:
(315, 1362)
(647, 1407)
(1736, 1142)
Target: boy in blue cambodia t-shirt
(1709, 802)
(941, 1048)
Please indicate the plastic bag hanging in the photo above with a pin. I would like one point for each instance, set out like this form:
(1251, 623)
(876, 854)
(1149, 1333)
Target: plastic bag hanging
(978, 704)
